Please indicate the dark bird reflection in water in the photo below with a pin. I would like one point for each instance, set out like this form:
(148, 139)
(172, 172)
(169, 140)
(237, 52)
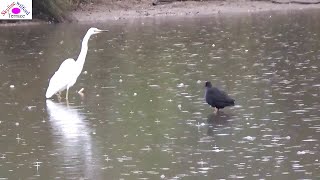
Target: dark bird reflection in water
(216, 121)
(72, 141)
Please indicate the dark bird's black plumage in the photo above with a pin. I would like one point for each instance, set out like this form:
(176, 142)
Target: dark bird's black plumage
(216, 97)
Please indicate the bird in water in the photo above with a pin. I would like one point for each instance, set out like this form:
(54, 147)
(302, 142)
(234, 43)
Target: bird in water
(217, 98)
(68, 72)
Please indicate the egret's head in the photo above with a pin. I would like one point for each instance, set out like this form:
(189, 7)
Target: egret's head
(94, 30)
(208, 84)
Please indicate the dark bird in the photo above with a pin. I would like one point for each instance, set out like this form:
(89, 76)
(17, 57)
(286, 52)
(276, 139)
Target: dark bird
(217, 98)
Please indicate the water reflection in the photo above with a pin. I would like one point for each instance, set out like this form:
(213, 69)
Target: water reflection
(217, 121)
(219, 118)
(72, 139)
(145, 116)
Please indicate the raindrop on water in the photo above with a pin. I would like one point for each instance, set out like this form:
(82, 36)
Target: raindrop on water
(250, 138)
(180, 85)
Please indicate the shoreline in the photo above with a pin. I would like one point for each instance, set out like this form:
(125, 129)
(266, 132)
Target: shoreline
(24, 23)
(127, 10)
(130, 10)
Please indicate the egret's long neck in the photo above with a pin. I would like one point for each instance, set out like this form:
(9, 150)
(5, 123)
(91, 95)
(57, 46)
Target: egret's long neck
(83, 52)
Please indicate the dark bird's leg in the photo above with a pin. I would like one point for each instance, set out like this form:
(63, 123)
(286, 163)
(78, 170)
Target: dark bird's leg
(214, 109)
(218, 111)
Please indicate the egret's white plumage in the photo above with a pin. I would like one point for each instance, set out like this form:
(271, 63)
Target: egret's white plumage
(68, 72)
(62, 79)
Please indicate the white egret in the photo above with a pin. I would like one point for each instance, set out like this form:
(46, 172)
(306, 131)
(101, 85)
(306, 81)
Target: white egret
(68, 72)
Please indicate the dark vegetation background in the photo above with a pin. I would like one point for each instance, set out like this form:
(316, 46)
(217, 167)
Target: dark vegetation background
(56, 10)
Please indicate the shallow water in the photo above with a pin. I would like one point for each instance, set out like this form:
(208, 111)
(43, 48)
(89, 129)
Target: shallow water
(143, 116)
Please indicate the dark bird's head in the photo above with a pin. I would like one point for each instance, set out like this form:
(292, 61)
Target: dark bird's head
(208, 84)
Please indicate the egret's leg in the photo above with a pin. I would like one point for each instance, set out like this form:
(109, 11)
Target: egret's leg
(67, 94)
(59, 96)
(67, 101)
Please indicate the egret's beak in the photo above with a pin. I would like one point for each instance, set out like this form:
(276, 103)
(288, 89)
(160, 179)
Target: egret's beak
(99, 31)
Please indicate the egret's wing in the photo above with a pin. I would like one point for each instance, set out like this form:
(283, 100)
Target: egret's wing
(61, 78)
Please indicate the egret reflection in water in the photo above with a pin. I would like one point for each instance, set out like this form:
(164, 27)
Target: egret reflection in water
(72, 139)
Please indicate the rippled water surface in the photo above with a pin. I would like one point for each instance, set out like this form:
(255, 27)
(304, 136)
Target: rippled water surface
(143, 116)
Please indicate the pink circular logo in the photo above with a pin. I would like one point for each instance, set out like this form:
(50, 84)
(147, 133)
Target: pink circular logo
(15, 10)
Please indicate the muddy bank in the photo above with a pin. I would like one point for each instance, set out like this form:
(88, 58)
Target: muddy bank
(127, 9)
